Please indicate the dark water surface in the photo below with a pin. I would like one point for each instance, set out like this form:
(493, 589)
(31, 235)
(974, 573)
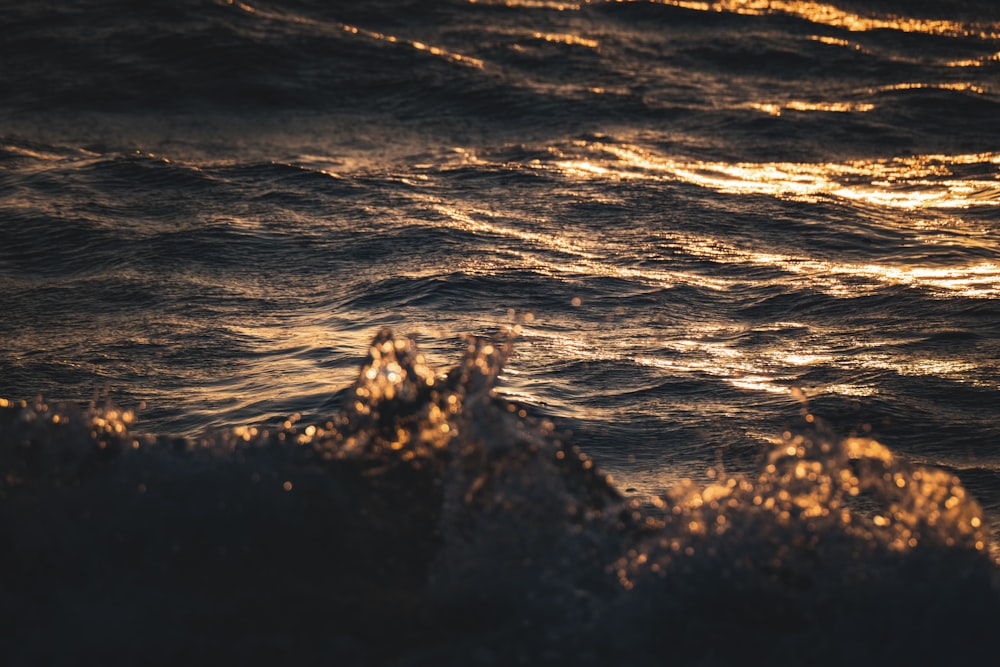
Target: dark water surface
(706, 221)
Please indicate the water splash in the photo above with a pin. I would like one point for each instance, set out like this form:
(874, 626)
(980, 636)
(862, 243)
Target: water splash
(430, 497)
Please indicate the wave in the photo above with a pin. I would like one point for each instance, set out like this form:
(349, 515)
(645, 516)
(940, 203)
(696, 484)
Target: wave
(431, 521)
(870, 77)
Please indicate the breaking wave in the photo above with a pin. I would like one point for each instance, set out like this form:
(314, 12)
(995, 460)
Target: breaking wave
(433, 522)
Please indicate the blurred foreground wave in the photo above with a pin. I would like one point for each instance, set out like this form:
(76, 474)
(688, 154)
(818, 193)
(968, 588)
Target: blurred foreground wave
(432, 522)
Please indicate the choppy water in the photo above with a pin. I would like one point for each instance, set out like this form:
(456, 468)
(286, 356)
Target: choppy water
(707, 219)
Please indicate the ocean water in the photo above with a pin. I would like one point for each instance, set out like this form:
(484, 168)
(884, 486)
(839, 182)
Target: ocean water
(743, 257)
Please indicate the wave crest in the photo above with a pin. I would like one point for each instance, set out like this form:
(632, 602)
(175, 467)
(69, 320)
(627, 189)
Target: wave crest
(431, 506)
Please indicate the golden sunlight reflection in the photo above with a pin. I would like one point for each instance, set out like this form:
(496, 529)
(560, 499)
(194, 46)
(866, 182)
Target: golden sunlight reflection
(600, 257)
(697, 356)
(419, 46)
(920, 181)
(833, 41)
(287, 357)
(533, 4)
(799, 105)
(816, 12)
(846, 278)
(274, 15)
(975, 62)
(466, 222)
(572, 40)
(853, 390)
(957, 86)
(716, 350)
(588, 257)
(833, 16)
